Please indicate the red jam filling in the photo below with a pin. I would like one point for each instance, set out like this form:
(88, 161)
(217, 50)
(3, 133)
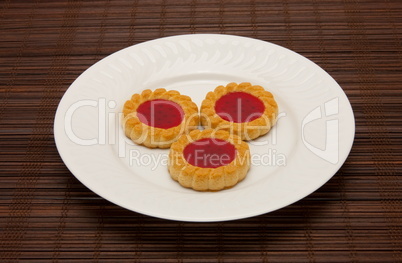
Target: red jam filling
(209, 153)
(160, 113)
(239, 107)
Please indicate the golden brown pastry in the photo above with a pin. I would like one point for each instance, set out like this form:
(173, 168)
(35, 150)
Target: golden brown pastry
(243, 109)
(157, 118)
(209, 160)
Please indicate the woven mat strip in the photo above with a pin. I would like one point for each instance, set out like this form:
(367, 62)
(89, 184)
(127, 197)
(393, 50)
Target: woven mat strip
(24, 192)
(378, 131)
(17, 62)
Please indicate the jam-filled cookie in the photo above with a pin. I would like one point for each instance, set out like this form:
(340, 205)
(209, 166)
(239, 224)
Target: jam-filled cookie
(157, 118)
(243, 109)
(209, 160)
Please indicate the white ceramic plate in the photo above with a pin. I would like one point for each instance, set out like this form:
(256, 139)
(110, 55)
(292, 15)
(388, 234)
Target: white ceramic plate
(310, 142)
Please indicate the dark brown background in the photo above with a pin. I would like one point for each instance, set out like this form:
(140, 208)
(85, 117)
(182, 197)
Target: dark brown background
(47, 215)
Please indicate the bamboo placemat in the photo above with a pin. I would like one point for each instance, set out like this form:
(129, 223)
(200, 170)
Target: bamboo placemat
(46, 215)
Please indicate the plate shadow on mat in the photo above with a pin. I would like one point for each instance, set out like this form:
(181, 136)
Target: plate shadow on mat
(271, 227)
